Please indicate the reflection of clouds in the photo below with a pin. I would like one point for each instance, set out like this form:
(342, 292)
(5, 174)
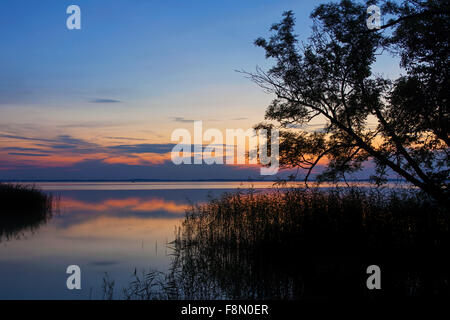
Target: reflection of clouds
(133, 204)
(114, 230)
(88, 207)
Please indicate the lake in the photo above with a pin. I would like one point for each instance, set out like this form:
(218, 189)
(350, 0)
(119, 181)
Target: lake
(111, 228)
(103, 227)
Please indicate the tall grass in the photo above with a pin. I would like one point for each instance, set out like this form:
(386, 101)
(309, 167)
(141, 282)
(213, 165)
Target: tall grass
(345, 219)
(309, 243)
(23, 208)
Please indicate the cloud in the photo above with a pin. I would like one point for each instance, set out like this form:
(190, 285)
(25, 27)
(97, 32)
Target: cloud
(16, 137)
(92, 124)
(19, 149)
(182, 120)
(67, 143)
(28, 154)
(144, 148)
(67, 139)
(238, 119)
(125, 138)
(67, 157)
(61, 139)
(98, 169)
(61, 144)
(105, 101)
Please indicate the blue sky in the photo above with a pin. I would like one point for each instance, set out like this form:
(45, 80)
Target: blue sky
(137, 70)
(131, 50)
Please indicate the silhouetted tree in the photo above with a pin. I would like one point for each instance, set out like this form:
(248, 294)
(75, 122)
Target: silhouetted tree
(329, 78)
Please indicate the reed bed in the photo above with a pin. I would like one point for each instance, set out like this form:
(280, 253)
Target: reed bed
(293, 243)
(23, 208)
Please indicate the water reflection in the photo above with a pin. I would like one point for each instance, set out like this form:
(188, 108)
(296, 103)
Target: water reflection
(113, 231)
(305, 244)
(17, 224)
(105, 229)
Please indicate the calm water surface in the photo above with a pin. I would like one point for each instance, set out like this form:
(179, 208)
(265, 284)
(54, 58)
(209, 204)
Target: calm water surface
(101, 227)
(111, 228)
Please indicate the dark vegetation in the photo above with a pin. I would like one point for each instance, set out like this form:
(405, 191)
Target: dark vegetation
(23, 208)
(306, 244)
(399, 125)
(302, 243)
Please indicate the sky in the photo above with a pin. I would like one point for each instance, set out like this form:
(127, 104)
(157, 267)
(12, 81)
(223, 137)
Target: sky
(102, 102)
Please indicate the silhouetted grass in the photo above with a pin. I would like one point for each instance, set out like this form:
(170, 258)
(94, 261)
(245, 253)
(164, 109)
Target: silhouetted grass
(147, 285)
(307, 243)
(330, 220)
(311, 243)
(23, 208)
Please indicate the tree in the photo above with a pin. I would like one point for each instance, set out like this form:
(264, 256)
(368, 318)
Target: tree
(330, 78)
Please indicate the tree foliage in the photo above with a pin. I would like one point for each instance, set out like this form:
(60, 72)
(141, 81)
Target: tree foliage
(400, 125)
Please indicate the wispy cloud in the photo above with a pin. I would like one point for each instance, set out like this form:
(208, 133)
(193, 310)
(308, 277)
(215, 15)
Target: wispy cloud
(19, 149)
(64, 150)
(61, 142)
(17, 137)
(144, 148)
(105, 101)
(28, 154)
(125, 138)
(73, 141)
(99, 169)
(92, 124)
(182, 120)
